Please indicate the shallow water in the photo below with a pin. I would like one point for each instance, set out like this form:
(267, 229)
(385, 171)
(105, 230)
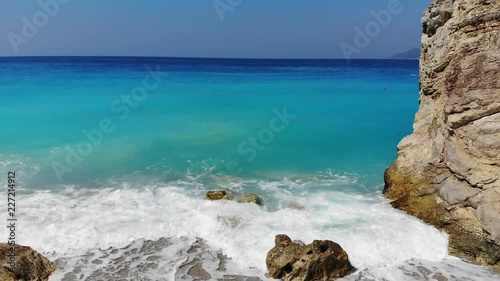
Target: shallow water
(312, 138)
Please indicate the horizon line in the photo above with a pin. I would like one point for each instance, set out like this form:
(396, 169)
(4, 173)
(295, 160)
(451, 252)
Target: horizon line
(182, 57)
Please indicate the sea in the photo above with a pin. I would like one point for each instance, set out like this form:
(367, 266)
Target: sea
(113, 157)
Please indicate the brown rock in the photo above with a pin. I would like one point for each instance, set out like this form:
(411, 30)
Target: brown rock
(29, 265)
(226, 195)
(249, 198)
(219, 195)
(447, 171)
(320, 260)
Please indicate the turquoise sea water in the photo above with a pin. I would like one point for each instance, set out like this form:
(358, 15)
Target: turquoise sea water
(348, 117)
(110, 151)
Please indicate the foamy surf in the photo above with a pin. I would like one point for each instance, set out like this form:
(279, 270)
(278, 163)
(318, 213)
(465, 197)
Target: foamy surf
(90, 233)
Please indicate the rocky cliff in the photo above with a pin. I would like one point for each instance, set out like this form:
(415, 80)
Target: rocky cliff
(447, 172)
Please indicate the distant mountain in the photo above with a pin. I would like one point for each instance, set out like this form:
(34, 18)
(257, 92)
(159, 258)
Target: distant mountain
(410, 54)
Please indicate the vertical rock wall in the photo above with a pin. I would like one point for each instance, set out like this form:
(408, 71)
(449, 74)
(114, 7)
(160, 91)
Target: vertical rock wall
(447, 172)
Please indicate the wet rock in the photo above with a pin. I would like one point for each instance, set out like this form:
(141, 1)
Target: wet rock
(29, 265)
(231, 221)
(239, 278)
(203, 263)
(227, 195)
(249, 198)
(197, 270)
(320, 260)
(219, 195)
(295, 206)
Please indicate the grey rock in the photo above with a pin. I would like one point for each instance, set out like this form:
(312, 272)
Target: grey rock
(487, 196)
(454, 191)
(489, 215)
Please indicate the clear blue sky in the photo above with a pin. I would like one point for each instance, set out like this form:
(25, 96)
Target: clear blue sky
(193, 28)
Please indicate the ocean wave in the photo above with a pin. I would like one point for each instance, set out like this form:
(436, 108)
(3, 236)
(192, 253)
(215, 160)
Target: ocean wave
(21, 164)
(69, 223)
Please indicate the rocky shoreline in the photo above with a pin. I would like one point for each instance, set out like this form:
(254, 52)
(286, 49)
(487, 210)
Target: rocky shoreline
(447, 171)
(146, 260)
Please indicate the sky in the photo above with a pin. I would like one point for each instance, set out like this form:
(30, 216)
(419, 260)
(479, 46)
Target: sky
(211, 28)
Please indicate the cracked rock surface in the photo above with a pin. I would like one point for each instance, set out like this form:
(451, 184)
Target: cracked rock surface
(320, 260)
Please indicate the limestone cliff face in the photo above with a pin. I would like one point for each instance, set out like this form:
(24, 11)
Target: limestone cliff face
(447, 172)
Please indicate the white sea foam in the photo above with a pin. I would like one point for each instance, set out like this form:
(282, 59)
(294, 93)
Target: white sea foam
(20, 164)
(376, 236)
(449, 269)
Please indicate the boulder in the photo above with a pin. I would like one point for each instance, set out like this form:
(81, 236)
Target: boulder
(227, 195)
(249, 198)
(320, 260)
(29, 265)
(219, 195)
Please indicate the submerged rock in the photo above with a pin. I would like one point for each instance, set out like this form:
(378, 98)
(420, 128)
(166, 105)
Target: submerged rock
(296, 206)
(320, 260)
(29, 265)
(447, 172)
(227, 195)
(249, 198)
(219, 195)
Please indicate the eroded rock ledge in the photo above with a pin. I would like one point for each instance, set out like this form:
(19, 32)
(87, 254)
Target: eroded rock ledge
(447, 172)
